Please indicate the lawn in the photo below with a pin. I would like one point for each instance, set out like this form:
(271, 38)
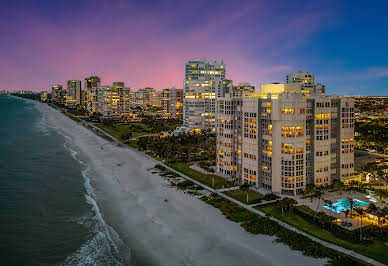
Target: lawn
(184, 168)
(232, 211)
(376, 250)
(71, 117)
(241, 195)
(133, 143)
(119, 130)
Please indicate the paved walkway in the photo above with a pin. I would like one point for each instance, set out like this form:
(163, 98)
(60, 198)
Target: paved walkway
(227, 189)
(264, 202)
(250, 208)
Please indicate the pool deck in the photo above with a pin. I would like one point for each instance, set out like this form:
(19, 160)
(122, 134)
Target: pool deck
(334, 197)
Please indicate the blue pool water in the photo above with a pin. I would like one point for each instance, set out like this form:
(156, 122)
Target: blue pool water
(343, 205)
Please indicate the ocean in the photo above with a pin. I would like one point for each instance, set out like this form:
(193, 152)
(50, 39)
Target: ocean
(48, 215)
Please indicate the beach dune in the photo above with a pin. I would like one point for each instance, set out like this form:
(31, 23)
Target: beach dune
(180, 231)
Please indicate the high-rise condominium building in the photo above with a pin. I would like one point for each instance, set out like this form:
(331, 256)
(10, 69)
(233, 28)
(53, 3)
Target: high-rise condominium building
(90, 91)
(306, 81)
(146, 97)
(73, 93)
(43, 96)
(58, 95)
(204, 82)
(284, 139)
(115, 101)
(171, 103)
(241, 89)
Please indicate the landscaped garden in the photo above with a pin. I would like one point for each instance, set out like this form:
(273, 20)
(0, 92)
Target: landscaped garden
(208, 180)
(321, 226)
(256, 224)
(125, 131)
(241, 195)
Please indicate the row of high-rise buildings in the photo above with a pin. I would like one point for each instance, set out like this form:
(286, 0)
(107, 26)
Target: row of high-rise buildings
(115, 101)
(281, 139)
(287, 136)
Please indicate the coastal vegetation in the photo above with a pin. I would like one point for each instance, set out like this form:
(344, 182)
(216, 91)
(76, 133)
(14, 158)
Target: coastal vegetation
(181, 147)
(132, 130)
(125, 131)
(256, 224)
(302, 217)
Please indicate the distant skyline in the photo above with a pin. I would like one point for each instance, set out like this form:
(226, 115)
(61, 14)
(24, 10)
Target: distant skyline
(147, 43)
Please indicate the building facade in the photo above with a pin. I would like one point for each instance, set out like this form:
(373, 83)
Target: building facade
(284, 140)
(43, 96)
(241, 89)
(204, 82)
(73, 93)
(171, 103)
(306, 81)
(58, 95)
(92, 88)
(115, 101)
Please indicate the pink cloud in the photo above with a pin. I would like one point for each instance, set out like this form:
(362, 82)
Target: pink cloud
(382, 74)
(144, 49)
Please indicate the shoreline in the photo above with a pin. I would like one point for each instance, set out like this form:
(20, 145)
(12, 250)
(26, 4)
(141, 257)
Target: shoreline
(166, 227)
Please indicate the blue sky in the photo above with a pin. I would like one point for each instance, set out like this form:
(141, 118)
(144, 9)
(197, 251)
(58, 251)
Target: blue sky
(146, 43)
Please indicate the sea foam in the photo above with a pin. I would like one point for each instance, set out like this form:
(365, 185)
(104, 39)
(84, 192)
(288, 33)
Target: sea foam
(103, 248)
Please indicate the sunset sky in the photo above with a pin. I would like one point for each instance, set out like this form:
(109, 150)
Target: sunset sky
(146, 43)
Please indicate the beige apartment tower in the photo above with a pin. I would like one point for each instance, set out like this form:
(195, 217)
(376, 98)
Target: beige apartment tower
(171, 103)
(283, 139)
(73, 93)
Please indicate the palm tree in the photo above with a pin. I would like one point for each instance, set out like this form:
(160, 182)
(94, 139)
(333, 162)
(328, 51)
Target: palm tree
(338, 185)
(372, 208)
(346, 212)
(361, 213)
(309, 192)
(291, 203)
(283, 203)
(351, 203)
(381, 194)
(317, 193)
(380, 218)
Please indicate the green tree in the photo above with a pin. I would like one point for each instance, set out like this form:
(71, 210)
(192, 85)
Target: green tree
(361, 213)
(317, 193)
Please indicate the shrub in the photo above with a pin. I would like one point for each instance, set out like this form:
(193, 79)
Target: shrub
(270, 196)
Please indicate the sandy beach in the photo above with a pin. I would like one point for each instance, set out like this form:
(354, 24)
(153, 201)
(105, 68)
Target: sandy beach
(152, 231)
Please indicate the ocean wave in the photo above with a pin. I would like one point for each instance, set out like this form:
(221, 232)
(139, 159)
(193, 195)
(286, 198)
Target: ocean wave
(42, 127)
(104, 248)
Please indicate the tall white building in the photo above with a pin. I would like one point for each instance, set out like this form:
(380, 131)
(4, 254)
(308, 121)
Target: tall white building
(204, 82)
(73, 93)
(306, 81)
(171, 103)
(283, 139)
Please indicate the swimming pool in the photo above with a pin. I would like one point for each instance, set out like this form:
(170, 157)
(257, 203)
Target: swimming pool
(343, 205)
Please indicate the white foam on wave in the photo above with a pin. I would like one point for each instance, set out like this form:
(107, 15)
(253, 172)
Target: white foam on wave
(103, 248)
(41, 126)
